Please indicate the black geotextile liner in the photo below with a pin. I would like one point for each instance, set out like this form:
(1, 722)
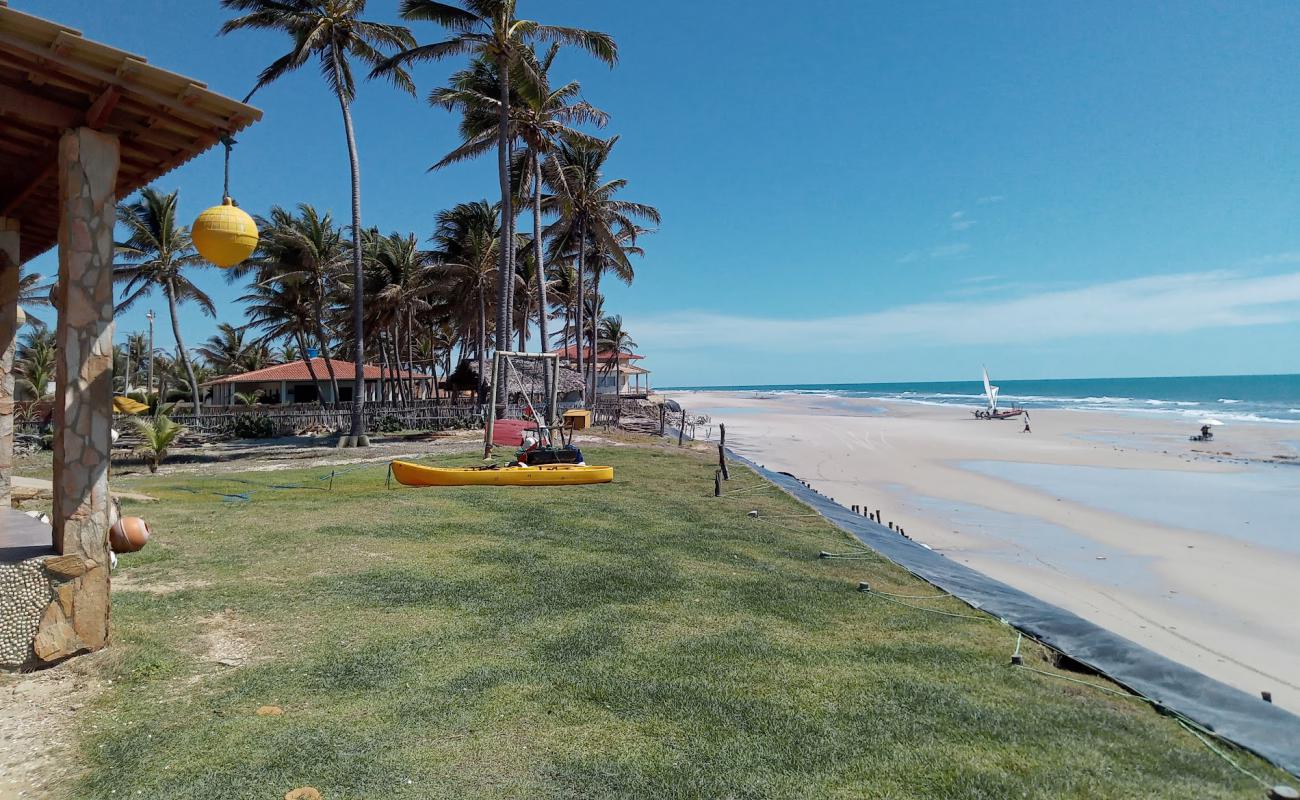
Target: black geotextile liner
(1245, 720)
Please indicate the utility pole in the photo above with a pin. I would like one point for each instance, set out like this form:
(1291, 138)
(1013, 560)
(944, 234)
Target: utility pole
(150, 316)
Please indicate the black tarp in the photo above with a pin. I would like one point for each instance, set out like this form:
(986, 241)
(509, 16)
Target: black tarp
(1245, 720)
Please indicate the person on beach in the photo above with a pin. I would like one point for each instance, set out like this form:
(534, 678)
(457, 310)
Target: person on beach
(1026, 430)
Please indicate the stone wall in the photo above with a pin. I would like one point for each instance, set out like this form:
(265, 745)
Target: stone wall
(26, 589)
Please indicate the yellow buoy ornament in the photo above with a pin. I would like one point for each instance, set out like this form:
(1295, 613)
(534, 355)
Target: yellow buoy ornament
(224, 235)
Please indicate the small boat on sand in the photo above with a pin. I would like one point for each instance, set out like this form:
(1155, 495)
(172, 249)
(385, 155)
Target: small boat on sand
(545, 475)
(993, 412)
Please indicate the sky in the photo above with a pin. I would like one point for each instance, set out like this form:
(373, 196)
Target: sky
(853, 191)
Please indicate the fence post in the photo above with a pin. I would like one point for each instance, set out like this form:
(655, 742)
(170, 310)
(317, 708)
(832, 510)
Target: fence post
(681, 432)
(663, 419)
(717, 483)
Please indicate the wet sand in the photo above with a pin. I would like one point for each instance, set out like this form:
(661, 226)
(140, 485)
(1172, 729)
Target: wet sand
(1181, 546)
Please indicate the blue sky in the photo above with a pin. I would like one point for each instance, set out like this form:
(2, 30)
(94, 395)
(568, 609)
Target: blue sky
(859, 191)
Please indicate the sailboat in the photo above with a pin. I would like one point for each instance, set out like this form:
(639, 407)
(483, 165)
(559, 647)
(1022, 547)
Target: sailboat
(991, 395)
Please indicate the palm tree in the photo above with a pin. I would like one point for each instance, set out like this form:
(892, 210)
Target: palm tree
(592, 220)
(32, 292)
(227, 351)
(283, 312)
(489, 30)
(158, 433)
(403, 281)
(306, 249)
(35, 361)
(333, 32)
(466, 246)
(156, 255)
(617, 342)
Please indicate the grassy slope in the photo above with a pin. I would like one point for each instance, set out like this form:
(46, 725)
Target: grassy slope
(633, 640)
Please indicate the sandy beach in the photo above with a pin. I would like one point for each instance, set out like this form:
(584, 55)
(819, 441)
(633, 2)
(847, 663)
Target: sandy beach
(1187, 548)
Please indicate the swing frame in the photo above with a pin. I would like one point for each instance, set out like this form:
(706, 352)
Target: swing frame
(552, 401)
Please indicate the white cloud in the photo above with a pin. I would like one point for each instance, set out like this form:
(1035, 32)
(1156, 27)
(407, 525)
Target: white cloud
(990, 199)
(948, 250)
(1164, 304)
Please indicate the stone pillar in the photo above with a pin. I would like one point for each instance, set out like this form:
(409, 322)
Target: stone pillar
(8, 340)
(83, 410)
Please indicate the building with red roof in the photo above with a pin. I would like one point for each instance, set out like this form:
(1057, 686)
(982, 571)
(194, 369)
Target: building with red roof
(297, 382)
(616, 373)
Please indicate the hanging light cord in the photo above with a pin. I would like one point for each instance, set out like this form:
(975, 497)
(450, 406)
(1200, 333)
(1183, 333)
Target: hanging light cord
(229, 142)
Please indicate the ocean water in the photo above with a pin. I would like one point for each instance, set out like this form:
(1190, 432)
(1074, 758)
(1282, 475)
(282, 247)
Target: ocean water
(1252, 398)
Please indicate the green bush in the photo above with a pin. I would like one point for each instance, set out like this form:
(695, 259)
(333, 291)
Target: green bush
(388, 424)
(253, 426)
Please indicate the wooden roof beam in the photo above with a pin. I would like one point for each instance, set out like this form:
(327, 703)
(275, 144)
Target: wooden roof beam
(20, 104)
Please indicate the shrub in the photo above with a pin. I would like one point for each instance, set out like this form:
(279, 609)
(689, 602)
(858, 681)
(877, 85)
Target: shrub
(253, 426)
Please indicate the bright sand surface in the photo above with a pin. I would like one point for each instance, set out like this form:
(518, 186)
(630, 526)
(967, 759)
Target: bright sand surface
(1187, 548)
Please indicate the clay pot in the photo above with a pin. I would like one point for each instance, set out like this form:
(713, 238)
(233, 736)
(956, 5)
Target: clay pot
(128, 535)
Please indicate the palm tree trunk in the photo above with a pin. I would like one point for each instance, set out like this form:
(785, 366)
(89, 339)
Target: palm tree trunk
(506, 272)
(595, 329)
(180, 347)
(482, 346)
(399, 384)
(542, 333)
(358, 279)
(318, 301)
(582, 284)
(410, 352)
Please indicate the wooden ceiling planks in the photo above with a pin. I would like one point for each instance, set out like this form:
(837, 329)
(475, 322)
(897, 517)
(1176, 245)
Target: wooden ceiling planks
(52, 79)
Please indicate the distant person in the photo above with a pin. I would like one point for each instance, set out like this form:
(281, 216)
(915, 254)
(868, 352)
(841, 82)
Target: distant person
(1205, 431)
(1026, 430)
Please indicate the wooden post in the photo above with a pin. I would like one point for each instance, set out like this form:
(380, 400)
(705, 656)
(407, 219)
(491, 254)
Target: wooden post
(663, 419)
(722, 462)
(491, 410)
(681, 432)
(717, 483)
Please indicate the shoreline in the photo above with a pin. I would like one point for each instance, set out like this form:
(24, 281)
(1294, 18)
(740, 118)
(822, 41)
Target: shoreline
(1108, 548)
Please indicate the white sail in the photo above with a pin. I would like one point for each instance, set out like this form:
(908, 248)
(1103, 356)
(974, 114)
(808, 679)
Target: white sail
(990, 391)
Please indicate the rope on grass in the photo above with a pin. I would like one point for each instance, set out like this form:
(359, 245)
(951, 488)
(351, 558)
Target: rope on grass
(868, 591)
(1196, 729)
(1224, 755)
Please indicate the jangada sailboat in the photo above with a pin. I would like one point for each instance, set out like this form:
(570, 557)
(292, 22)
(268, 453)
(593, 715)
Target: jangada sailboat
(993, 412)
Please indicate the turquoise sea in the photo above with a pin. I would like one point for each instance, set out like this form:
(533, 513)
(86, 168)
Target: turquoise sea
(1254, 398)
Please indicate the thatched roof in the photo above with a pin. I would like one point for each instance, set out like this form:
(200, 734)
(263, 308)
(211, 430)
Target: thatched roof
(526, 376)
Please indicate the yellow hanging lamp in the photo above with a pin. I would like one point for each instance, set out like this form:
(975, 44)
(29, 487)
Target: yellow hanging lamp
(225, 235)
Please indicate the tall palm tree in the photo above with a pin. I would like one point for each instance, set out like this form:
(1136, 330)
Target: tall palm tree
(333, 32)
(466, 245)
(592, 219)
(402, 280)
(489, 29)
(157, 254)
(304, 248)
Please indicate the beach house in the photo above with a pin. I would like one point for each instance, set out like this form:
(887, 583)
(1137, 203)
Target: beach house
(308, 381)
(616, 373)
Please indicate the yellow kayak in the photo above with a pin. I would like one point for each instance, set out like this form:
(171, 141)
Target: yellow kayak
(547, 475)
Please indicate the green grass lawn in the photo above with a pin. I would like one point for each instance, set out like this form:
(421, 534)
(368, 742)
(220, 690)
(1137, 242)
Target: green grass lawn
(639, 639)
